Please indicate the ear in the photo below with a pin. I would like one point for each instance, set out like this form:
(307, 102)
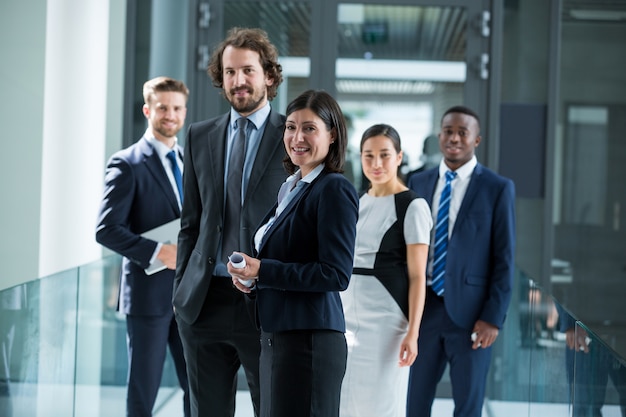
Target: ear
(333, 135)
(399, 157)
(477, 141)
(145, 110)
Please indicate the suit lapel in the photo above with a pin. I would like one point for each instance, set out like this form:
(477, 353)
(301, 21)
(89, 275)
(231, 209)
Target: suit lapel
(433, 177)
(470, 194)
(155, 166)
(216, 138)
(285, 213)
(270, 144)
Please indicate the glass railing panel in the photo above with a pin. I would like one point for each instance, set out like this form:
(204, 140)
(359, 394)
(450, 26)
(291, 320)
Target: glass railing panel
(63, 347)
(548, 389)
(63, 352)
(101, 356)
(596, 374)
(39, 346)
(100, 338)
(527, 374)
(17, 358)
(507, 388)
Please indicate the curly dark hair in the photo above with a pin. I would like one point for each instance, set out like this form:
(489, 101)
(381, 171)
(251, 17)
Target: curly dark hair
(255, 40)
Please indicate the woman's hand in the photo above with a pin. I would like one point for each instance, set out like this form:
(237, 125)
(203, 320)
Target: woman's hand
(249, 274)
(408, 351)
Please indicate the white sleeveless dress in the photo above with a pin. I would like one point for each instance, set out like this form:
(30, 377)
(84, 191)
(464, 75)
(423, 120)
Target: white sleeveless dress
(376, 304)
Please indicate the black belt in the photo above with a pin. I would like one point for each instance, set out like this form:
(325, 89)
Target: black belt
(429, 290)
(220, 281)
(374, 272)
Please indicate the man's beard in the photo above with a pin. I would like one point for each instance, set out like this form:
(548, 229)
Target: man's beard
(247, 105)
(168, 133)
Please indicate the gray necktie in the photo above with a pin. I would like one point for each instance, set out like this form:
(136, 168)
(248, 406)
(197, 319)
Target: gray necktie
(232, 213)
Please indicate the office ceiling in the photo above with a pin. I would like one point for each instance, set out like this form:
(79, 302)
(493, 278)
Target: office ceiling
(409, 33)
(374, 31)
(393, 32)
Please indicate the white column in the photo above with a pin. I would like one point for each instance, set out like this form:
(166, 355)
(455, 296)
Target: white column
(74, 131)
(82, 110)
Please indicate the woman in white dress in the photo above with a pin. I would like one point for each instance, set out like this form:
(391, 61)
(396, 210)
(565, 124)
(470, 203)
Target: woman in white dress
(384, 301)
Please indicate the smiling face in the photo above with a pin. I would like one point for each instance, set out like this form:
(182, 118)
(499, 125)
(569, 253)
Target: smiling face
(245, 82)
(166, 113)
(380, 160)
(307, 139)
(458, 139)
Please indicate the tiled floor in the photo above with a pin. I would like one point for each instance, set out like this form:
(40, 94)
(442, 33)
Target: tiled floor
(101, 401)
(171, 408)
(441, 407)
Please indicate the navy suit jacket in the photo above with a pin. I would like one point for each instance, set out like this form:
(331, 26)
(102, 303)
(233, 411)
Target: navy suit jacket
(307, 257)
(203, 211)
(138, 197)
(480, 261)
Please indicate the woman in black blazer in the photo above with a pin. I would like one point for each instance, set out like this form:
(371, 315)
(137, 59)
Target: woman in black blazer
(304, 254)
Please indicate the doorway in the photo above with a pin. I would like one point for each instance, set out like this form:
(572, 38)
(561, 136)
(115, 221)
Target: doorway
(402, 63)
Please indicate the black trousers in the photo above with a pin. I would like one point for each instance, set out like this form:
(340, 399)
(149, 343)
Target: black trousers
(301, 373)
(216, 345)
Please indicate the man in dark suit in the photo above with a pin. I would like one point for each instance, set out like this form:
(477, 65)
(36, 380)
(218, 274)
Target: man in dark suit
(217, 330)
(469, 295)
(142, 193)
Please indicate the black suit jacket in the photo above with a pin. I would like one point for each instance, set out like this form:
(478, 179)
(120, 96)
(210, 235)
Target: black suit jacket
(203, 210)
(138, 197)
(307, 256)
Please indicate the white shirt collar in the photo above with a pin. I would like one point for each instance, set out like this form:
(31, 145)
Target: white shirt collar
(309, 177)
(159, 146)
(257, 118)
(463, 172)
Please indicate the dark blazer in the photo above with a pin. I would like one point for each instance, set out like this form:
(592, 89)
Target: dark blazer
(481, 249)
(138, 197)
(203, 210)
(307, 256)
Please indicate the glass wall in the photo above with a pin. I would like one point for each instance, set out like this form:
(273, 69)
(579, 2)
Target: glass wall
(562, 110)
(590, 197)
(397, 65)
(288, 25)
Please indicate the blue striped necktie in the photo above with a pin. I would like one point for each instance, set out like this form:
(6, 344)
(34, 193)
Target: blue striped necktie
(441, 236)
(177, 174)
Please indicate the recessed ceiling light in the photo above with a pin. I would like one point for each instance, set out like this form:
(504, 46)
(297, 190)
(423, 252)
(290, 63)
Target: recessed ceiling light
(605, 15)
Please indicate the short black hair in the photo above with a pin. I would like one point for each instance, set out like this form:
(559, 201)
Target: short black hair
(464, 110)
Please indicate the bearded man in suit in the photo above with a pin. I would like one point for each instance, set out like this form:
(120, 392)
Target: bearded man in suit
(142, 192)
(223, 207)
